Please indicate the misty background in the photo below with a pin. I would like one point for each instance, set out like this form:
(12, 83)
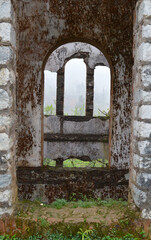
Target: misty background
(75, 88)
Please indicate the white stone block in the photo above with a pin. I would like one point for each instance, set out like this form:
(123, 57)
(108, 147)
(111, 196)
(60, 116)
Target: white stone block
(4, 142)
(4, 99)
(145, 112)
(6, 211)
(143, 53)
(146, 214)
(146, 75)
(144, 147)
(146, 32)
(142, 129)
(5, 32)
(5, 9)
(5, 121)
(4, 76)
(5, 196)
(139, 196)
(144, 10)
(6, 54)
(136, 160)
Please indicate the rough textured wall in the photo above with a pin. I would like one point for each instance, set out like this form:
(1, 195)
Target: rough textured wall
(7, 108)
(57, 59)
(51, 184)
(45, 25)
(141, 139)
(75, 137)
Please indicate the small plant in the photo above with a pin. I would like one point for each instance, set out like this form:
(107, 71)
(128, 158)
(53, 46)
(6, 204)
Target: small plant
(85, 234)
(106, 114)
(59, 203)
(50, 109)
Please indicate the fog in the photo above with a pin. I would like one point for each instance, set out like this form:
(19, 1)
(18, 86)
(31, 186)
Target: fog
(75, 88)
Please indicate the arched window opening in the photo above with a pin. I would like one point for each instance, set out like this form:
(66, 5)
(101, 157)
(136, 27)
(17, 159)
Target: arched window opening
(75, 88)
(50, 85)
(76, 91)
(101, 100)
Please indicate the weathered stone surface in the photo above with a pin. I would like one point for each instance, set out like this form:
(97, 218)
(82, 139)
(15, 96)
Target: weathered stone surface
(146, 30)
(4, 76)
(144, 10)
(5, 55)
(144, 180)
(4, 120)
(5, 180)
(5, 32)
(5, 196)
(142, 96)
(4, 142)
(144, 52)
(142, 129)
(139, 196)
(146, 214)
(52, 124)
(145, 112)
(4, 99)
(144, 147)
(5, 9)
(93, 126)
(146, 76)
(65, 150)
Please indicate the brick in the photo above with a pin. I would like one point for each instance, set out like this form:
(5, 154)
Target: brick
(4, 100)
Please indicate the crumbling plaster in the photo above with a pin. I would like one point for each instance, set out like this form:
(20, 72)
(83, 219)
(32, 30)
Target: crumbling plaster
(70, 50)
(45, 25)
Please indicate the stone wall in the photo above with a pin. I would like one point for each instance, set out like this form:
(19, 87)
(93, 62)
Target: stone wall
(7, 107)
(75, 137)
(49, 184)
(57, 59)
(43, 26)
(141, 139)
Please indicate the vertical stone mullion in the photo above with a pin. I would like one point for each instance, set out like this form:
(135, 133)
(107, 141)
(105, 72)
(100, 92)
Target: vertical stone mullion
(60, 92)
(89, 91)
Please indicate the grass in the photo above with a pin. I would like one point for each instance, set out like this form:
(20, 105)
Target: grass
(77, 163)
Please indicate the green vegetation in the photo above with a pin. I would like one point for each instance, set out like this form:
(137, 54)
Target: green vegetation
(70, 163)
(50, 109)
(106, 114)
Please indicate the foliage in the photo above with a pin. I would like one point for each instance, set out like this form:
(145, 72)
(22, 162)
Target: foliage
(79, 111)
(73, 162)
(59, 203)
(50, 109)
(106, 114)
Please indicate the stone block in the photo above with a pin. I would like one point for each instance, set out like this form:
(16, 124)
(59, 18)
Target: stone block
(5, 9)
(146, 32)
(4, 100)
(142, 129)
(141, 95)
(52, 124)
(143, 53)
(5, 32)
(6, 211)
(137, 160)
(145, 112)
(6, 54)
(144, 10)
(144, 147)
(5, 196)
(144, 180)
(4, 142)
(146, 214)
(5, 121)
(146, 75)
(5, 180)
(139, 196)
(4, 76)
